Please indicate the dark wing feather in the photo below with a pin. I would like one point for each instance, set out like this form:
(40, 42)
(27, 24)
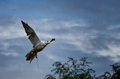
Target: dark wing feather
(31, 33)
(52, 40)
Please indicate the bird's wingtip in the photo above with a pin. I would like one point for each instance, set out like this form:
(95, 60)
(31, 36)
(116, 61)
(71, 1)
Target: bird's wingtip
(21, 21)
(52, 40)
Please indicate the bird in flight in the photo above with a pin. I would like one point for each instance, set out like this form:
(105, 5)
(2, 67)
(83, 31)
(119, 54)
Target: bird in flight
(38, 45)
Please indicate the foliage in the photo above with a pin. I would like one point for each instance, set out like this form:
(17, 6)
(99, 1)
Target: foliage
(49, 77)
(74, 69)
(116, 70)
(106, 75)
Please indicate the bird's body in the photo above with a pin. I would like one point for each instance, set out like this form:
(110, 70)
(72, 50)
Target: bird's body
(38, 45)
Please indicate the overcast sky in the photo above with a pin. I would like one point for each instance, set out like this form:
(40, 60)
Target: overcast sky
(82, 28)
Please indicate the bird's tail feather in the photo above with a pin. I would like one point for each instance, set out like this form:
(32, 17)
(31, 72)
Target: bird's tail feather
(30, 56)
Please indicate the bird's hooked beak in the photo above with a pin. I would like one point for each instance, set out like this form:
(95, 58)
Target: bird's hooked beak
(48, 42)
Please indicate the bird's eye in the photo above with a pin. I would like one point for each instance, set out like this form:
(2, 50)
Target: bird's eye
(47, 41)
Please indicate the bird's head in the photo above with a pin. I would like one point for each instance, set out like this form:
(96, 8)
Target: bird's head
(47, 42)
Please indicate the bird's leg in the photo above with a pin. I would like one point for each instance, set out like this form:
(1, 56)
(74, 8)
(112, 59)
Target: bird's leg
(36, 55)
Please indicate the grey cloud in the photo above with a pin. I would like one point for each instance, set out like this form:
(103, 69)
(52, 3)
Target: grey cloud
(6, 20)
(93, 11)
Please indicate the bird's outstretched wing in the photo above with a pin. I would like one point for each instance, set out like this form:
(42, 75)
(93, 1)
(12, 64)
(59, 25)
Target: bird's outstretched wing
(31, 33)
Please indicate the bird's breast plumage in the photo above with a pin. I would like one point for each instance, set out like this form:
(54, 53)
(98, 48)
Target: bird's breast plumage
(39, 47)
